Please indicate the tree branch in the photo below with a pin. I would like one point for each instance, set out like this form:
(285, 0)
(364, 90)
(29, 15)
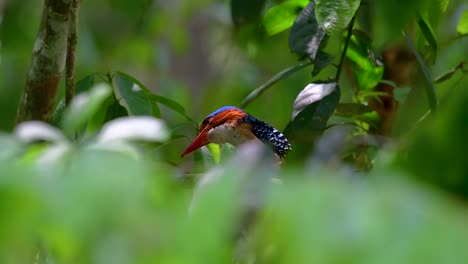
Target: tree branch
(71, 48)
(47, 63)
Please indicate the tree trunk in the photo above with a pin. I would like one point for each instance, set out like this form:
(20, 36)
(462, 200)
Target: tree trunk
(47, 64)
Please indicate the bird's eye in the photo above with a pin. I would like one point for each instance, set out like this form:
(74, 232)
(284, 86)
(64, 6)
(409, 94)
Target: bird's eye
(204, 123)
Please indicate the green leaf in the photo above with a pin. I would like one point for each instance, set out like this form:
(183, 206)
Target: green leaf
(334, 16)
(367, 71)
(401, 93)
(84, 106)
(322, 60)
(449, 73)
(428, 33)
(462, 26)
(134, 96)
(171, 104)
(306, 36)
(246, 11)
(429, 85)
(311, 110)
(84, 84)
(281, 17)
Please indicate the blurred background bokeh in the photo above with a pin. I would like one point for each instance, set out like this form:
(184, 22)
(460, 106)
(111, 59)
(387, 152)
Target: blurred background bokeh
(123, 208)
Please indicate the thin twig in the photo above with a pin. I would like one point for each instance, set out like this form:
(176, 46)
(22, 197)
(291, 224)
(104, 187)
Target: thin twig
(71, 49)
(343, 55)
(278, 77)
(430, 89)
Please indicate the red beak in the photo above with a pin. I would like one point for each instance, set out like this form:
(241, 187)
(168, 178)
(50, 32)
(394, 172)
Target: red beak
(199, 142)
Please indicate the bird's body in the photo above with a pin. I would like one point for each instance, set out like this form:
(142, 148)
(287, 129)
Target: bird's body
(232, 125)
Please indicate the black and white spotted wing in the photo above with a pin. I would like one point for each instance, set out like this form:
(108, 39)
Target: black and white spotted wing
(269, 135)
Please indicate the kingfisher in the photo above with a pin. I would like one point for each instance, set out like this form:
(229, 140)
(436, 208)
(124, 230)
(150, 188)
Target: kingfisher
(230, 124)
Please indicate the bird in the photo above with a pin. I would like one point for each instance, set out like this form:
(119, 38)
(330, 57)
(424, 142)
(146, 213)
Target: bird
(233, 125)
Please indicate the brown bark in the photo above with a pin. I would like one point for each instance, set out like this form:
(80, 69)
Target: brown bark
(399, 67)
(71, 48)
(47, 64)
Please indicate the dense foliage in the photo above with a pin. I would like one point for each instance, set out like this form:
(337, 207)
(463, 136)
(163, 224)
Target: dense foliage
(371, 94)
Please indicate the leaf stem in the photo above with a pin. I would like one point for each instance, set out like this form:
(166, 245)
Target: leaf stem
(430, 89)
(278, 77)
(343, 55)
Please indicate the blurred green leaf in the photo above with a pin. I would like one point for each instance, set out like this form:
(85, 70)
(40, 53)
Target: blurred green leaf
(306, 36)
(401, 93)
(215, 150)
(134, 128)
(367, 70)
(33, 131)
(449, 73)
(429, 34)
(352, 109)
(84, 106)
(436, 149)
(391, 17)
(171, 104)
(246, 11)
(134, 96)
(462, 26)
(281, 17)
(9, 146)
(85, 84)
(278, 77)
(334, 16)
(429, 85)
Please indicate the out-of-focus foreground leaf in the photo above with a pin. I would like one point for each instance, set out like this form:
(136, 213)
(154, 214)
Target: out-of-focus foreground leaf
(436, 151)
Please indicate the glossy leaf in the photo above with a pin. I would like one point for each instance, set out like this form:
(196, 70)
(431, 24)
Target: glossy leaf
(334, 16)
(311, 94)
(84, 106)
(312, 108)
(462, 26)
(306, 36)
(281, 17)
(134, 96)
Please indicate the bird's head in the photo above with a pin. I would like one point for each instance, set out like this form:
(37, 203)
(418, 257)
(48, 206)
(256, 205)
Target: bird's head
(230, 124)
(216, 127)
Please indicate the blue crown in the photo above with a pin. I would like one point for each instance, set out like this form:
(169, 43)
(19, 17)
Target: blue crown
(222, 109)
